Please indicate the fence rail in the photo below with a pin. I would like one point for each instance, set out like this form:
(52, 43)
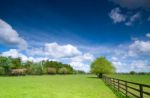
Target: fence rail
(127, 87)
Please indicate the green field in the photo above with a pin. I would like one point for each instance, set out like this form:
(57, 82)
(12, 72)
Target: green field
(144, 79)
(57, 86)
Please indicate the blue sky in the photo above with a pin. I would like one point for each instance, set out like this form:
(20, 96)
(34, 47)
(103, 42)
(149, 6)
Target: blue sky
(77, 31)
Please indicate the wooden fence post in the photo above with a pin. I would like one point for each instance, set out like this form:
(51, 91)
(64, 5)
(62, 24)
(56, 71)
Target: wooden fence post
(141, 91)
(126, 88)
(118, 85)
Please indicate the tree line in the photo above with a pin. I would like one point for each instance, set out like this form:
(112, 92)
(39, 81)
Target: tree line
(15, 66)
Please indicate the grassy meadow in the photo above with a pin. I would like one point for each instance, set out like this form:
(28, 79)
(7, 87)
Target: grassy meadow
(54, 86)
(143, 79)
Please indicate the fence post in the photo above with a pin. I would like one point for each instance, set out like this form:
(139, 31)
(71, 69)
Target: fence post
(126, 88)
(141, 91)
(118, 85)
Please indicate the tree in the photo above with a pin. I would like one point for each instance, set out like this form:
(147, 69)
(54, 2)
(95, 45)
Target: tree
(102, 66)
(5, 62)
(132, 72)
(36, 69)
(63, 70)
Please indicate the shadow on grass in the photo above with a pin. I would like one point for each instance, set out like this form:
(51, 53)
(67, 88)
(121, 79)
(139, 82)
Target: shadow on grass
(93, 77)
(116, 92)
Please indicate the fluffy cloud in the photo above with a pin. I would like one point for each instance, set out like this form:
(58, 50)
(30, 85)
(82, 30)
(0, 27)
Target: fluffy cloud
(148, 35)
(82, 58)
(80, 66)
(9, 36)
(15, 54)
(55, 50)
(116, 15)
(133, 4)
(82, 62)
(139, 47)
(133, 19)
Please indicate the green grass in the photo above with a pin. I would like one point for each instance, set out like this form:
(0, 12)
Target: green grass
(143, 79)
(57, 86)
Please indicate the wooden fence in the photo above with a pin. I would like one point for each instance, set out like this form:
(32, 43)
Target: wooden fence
(129, 89)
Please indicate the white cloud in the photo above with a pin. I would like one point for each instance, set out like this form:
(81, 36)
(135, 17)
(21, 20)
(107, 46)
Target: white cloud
(148, 35)
(9, 36)
(82, 62)
(15, 54)
(139, 47)
(133, 4)
(80, 66)
(82, 58)
(38, 59)
(59, 51)
(133, 19)
(116, 15)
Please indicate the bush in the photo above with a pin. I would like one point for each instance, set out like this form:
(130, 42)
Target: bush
(51, 70)
(18, 71)
(63, 71)
(132, 72)
(36, 69)
(2, 71)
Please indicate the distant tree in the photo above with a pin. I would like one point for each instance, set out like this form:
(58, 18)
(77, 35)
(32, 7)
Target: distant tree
(2, 71)
(28, 65)
(102, 66)
(16, 63)
(63, 70)
(132, 72)
(6, 63)
(36, 69)
(79, 72)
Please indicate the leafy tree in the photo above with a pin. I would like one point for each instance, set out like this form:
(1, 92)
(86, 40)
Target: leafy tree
(132, 72)
(102, 66)
(2, 71)
(36, 69)
(63, 70)
(16, 63)
(6, 63)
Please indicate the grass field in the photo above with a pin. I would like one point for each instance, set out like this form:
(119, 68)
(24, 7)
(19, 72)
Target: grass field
(57, 86)
(143, 79)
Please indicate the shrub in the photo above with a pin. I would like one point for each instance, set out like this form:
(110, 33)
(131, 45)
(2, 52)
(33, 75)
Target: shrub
(18, 71)
(2, 71)
(36, 69)
(63, 70)
(51, 70)
(132, 72)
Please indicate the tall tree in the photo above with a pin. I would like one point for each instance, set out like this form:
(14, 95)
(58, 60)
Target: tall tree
(102, 66)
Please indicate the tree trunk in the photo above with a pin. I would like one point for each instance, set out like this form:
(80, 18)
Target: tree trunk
(100, 75)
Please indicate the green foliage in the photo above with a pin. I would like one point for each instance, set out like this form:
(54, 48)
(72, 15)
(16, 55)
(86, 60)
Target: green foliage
(132, 72)
(16, 63)
(36, 69)
(63, 70)
(102, 66)
(13, 66)
(79, 72)
(2, 71)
